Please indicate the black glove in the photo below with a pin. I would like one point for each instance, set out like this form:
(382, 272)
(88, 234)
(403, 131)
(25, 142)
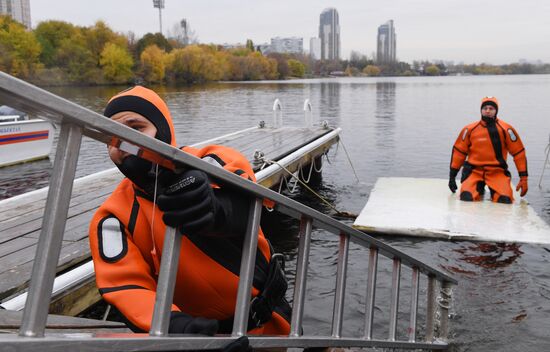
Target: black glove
(452, 181)
(189, 203)
(239, 345)
(181, 323)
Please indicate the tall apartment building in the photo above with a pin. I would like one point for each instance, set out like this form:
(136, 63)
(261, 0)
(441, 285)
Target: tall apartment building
(290, 45)
(315, 48)
(329, 33)
(386, 43)
(19, 10)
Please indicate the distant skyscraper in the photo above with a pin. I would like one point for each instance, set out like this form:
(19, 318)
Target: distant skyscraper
(19, 10)
(386, 43)
(315, 48)
(292, 45)
(329, 33)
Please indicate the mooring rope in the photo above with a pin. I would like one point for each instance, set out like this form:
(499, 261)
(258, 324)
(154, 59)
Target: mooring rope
(339, 213)
(349, 159)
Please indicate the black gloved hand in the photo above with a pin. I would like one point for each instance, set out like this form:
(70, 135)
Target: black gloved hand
(452, 182)
(181, 323)
(452, 185)
(239, 345)
(189, 203)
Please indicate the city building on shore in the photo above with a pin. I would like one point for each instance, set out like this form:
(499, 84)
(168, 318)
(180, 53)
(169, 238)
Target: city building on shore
(315, 48)
(329, 34)
(386, 43)
(19, 10)
(289, 45)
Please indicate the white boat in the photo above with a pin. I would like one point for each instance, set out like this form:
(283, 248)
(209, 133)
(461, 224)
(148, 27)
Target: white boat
(23, 139)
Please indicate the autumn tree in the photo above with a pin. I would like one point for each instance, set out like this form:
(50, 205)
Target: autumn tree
(116, 63)
(152, 39)
(50, 35)
(153, 64)
(432, 70)
(74, 57)
(372, 70)
(282, 64)
(250, 44)
(98, 36)
(20, 49)
(297, 69)
(193, 64)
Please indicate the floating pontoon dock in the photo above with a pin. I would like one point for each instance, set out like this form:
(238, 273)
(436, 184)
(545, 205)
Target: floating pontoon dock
(21, 216)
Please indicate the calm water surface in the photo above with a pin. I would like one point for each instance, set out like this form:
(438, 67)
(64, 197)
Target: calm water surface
(391, 127)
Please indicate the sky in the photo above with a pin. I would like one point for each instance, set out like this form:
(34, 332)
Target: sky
(468, 31)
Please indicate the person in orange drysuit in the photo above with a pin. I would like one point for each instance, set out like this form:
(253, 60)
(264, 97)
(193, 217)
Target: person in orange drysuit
(482, 148)
(127, 233)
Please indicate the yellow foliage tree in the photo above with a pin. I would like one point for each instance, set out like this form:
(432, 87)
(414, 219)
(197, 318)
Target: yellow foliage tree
(194, 63)
(153, 64)
(20, 49)
(99, 35)
(297, 69)
(432, 70)
(116, 63)
(372, 70)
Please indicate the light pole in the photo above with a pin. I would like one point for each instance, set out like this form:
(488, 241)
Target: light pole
(159, 4)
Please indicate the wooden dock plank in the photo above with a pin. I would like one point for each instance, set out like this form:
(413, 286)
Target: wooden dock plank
(78, 203)
(34, 226)
(16, 276)
(12, 320)
(11, 209)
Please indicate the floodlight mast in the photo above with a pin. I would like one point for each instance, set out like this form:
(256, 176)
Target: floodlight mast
(159, 4)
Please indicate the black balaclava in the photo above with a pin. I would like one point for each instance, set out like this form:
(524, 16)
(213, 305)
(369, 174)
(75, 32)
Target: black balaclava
(148, 104)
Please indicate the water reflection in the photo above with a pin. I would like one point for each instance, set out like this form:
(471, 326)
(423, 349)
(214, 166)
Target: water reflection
(485, 255)
(329, 102)
(385, 123)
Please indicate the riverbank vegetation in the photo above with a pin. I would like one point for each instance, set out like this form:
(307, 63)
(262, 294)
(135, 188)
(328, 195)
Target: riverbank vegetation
(59, 53)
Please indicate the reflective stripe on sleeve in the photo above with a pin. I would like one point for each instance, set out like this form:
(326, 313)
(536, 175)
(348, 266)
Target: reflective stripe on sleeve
(113, 244)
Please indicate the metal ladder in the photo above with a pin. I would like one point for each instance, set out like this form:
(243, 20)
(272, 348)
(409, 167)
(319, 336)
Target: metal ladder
(77, 121)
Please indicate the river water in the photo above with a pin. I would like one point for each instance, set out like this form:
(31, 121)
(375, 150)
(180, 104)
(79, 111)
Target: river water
(391, 127)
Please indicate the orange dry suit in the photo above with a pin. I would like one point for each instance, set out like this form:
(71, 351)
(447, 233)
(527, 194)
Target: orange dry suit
(127, 233)
(126, 253)
(482, 149)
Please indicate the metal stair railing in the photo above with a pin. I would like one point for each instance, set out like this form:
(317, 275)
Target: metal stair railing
(77, 121)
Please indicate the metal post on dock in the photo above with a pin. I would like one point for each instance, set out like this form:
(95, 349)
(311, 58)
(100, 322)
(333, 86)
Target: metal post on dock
(51, 235)
(277, 114)
(308, 113)
(246, 272)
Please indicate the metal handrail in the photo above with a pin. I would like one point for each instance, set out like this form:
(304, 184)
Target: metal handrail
(77, 121)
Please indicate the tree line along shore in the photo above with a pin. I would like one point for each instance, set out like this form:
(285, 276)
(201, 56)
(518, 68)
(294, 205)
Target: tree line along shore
(60, 53)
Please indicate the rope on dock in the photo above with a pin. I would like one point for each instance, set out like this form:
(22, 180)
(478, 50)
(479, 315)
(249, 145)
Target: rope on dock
(348, 157)
(342, 214)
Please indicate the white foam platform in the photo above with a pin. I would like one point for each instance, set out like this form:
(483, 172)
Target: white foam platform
(424, 207)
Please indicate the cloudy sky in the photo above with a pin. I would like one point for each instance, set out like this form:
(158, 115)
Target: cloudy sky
(470, 31)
